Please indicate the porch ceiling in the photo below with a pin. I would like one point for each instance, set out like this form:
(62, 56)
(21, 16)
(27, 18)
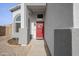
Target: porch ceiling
(37, 8)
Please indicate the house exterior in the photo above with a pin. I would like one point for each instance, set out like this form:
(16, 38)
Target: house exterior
(25, 24)
(61, 26)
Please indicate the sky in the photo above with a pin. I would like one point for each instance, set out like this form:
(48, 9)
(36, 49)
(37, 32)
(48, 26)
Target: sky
(5, 14)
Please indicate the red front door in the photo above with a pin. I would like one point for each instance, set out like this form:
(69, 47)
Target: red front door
(40, 30)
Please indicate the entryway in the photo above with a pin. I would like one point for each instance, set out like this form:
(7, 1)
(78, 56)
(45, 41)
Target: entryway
(36, 14)
(37, 28)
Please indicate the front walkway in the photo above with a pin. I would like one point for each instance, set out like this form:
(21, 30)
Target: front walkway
(35, 48)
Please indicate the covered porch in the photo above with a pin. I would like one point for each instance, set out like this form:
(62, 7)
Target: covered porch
(24, 26)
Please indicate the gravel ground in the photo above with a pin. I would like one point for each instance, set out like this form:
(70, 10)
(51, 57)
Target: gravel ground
(11, 50)
(5, 50)
(35, 48)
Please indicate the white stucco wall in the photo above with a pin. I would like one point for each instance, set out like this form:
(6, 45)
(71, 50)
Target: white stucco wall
(23, 36)
(76, 15)
(57, 16)
(75, 30)
(14, 14)
(32, 27)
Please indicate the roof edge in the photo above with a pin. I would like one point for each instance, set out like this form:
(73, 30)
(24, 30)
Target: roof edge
(15, 8)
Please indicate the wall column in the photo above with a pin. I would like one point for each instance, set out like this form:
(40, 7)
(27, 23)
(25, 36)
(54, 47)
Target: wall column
(75, 30)
(24, 23)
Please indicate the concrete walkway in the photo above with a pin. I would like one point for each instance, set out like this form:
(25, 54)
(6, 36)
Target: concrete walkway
(35, 48)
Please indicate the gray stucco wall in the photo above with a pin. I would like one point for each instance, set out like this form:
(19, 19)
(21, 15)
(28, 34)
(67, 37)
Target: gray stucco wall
(57, 16)
(62, 42)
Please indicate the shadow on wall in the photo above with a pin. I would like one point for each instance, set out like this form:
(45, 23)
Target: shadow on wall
(2, 30)
(62, 42)
(46, 48)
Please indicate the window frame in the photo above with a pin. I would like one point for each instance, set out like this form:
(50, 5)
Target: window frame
(18, 15)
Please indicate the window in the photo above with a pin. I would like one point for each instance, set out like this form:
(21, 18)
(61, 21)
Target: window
(18, 25)
(40, 16)
(18, 18)
(17, 22)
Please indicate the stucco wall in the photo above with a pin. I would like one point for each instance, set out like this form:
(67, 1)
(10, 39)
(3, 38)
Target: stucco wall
(75, 42)
(76, 15)
(75, 30)
(57, 16)
(14, 33)
(62, 42)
